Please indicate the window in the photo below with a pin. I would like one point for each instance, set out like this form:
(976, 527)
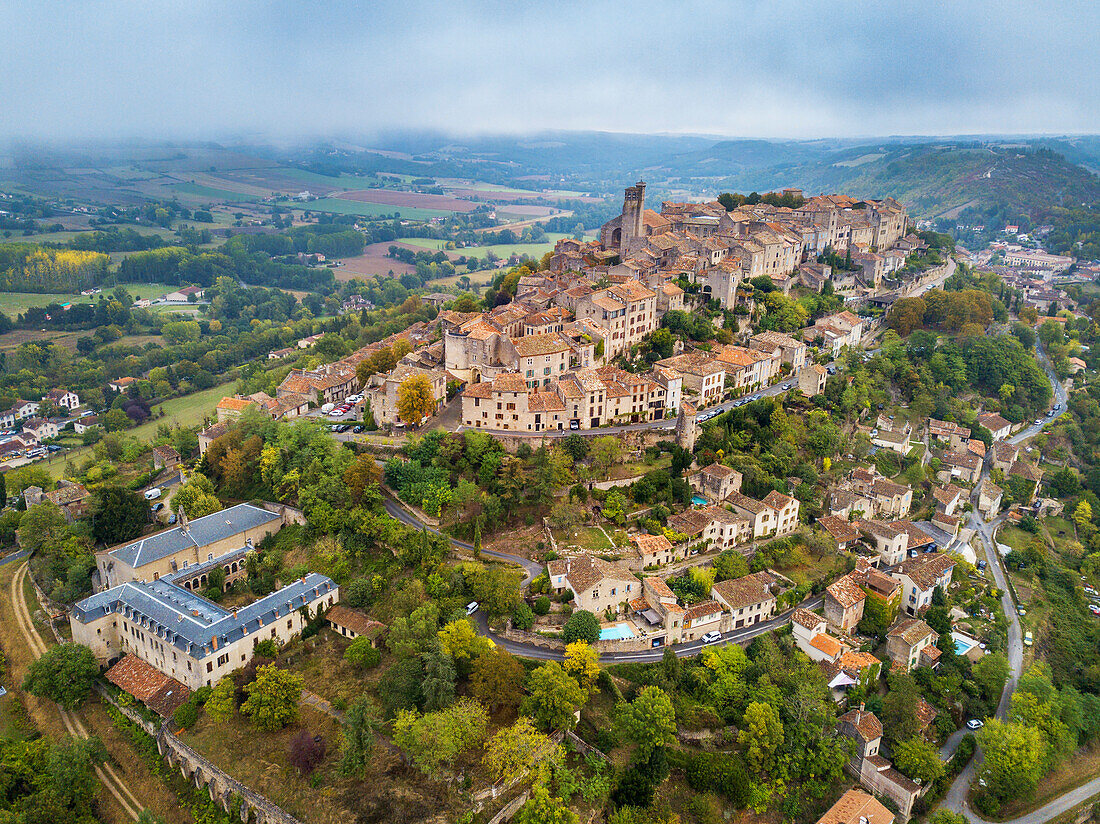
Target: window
(209, 666)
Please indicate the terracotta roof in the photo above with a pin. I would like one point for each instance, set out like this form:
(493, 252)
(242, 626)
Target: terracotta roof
(166, 452)
(70, 494)
(807, 619)
(926, 570)
(841, 530)
(911, 631)
(926, 713)
(853, 807)
(1026, 470)
(992, 421)
(357, 622)
(746, 591)
(651, 543)
(846, 592)
(234, 404)
(584, 571)
(216, 431)
(703, 608)
(917, 536)
(854, 662)
(534, 345)
(718, 470)
(827, 644)
(660, 587)
(866, 723)
(777, 500)
(148, 684)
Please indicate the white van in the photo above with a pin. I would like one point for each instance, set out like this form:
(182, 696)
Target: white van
(471, 607)
(328, 407)
(152, 494)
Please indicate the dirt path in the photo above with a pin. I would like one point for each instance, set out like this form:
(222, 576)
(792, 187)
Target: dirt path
(106, 772)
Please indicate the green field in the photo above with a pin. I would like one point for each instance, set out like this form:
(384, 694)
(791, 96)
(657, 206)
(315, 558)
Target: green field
(502, 250)
(197, 190)
(346, 180)
(186, 411)
(14, 303)
(352, 207)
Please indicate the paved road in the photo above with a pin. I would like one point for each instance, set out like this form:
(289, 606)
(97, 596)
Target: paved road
(1059, 398)
(956, 798)
(15, 556)
(740, 636)
(532, 569)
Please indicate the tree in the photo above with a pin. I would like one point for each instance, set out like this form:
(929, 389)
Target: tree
(1083, 513)
(583, 663)
(63, 674)
(117, 514)
(307, 751)
(761, 735)
(918, 759)
(3, 489)
(273, 698)
(942, 816)
(670, 665)
(42, 526)
(415, 399)
(519, 748)
(460, 640)
(649, 720)
(554, 696)
(523, 617)
(362, 653)
(581, 626)
(990, 673)
(437, 690)
(1013, 758)
(605, 453)
(222, 702)
(899, 708)
(542, 808)
(195, 499)
(358, 735)
(497, 679)
(434, 741)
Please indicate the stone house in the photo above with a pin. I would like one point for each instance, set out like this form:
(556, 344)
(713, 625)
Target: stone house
(811, 380)
(844, 603)
(998, 426)
(954, 435)
(911, 643)
(353, 624)
(989, 498)
(857, 807)
(874, 772)
(792, 351)
(597, 585)
(842, 531)
(964, 465)
(165, 457)
(750, 599)
(716, 481)
(810, 636)
(920, 576)
(890, 543)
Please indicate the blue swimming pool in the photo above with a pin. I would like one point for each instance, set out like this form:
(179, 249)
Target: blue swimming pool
(616, 632)
(963, 643)
(698, 500)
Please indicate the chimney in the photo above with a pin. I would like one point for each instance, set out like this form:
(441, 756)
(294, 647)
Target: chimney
(861, 703)
(214, 643)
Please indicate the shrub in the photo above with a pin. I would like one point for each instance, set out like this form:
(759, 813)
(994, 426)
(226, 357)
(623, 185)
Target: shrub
(266, 648)
(186, 716)
(306, 752)
(523, 618)
(542, 605)
(581, 626)
(361, 653)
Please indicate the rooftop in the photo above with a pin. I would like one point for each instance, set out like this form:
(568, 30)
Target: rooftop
(198, 533)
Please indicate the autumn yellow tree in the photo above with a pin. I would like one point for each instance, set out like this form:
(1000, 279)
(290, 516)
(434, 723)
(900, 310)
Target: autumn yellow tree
(415, 399)
(583, 663)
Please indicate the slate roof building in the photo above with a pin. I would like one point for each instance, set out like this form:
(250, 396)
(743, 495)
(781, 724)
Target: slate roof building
(188, 543)
(187, 637)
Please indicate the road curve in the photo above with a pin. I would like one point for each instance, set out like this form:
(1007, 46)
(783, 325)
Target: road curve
(106, 773)
(956, 798)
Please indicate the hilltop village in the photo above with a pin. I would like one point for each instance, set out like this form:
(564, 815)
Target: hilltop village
(700, 515)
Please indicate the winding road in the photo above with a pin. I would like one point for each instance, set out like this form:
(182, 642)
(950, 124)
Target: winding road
(75, 726)
(956, 798)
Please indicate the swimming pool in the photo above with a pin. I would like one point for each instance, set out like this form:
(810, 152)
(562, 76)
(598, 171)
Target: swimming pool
(697, 500)
(963, 643)
(616, 632)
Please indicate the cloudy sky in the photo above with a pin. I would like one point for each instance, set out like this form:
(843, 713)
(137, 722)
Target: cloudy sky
(775, 68)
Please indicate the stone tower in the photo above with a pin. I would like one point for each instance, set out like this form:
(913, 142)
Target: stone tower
(686, 427)
(633, 224)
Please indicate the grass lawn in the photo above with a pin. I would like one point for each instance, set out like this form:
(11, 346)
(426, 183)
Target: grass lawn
(585, 537)
(814, 569)
(481, 278)
(321, 662)
(198, 190)
(338, 206)
(186, 411)
(1014, 537)
(346, 180)
(501, 250)
(14, 303)
(636, 468)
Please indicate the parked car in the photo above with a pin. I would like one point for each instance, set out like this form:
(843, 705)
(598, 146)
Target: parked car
(471, 607)
(1021, 611)
(981, 565)
(357, 429)
(975, 724)
(1029, 639)
(152, 494)
(711, 637)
